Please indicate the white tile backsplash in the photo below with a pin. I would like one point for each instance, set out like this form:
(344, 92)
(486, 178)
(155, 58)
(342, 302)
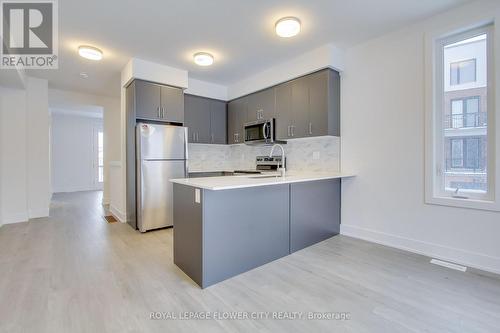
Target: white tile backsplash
(203, 157)
(308, 154)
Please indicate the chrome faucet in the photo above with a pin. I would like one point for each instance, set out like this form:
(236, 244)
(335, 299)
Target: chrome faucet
(282, 169)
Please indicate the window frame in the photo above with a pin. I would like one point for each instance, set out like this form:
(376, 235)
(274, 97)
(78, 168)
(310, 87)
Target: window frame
(435, 193)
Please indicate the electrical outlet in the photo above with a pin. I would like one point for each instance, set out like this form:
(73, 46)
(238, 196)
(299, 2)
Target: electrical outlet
(316, 155)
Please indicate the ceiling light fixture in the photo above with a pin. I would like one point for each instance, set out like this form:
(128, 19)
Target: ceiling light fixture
(84, 75)
(287, 27)
(203, 59)
(90, 52)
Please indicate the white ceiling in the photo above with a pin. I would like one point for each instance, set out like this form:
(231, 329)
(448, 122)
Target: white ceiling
(238, 32)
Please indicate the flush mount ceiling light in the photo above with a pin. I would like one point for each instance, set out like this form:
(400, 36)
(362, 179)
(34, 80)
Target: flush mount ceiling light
(90, 52)
(287, 27)
(84, 75)
(203, 59)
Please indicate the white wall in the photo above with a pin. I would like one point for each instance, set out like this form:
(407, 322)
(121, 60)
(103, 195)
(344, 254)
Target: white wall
(321, 57)
(25, 178)
(117, 192)
(37, 130)
(150, 71)
(73, 152)
(383, 143)
(206, 89)
(70, 100)
(13, 181)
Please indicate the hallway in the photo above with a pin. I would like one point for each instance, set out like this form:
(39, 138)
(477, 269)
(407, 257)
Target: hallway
(73, 272)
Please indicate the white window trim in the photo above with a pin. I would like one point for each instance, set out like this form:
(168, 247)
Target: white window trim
(433, 127)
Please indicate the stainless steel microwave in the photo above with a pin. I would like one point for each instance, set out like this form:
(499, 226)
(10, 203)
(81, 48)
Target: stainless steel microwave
(261, 132)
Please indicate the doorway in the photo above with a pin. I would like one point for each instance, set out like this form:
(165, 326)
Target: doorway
(77, 149)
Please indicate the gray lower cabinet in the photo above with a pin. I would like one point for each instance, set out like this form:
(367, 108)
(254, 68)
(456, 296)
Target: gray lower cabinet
(221, 237)
(261, 105)
(314, 212)
(236, 119)
(157, 102)
(228, 232)
(205, 119)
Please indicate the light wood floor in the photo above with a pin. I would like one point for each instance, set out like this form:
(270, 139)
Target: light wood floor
(73, 272)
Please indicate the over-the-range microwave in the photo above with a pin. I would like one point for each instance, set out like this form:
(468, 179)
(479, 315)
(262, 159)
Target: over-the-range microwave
(261, 132)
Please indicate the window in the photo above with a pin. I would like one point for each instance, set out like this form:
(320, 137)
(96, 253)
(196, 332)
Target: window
(465, 112)
(457, 153)
(462, 72)
(466, 153)
(100, 156)
(460, 150)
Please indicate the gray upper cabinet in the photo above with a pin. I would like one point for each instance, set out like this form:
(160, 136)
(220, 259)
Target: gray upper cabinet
(197, 118)
(157, 102)
(172, 104)
(318, 103)
(147, 99)
(261, 105)
(333, 103)
(300, 108)
(309, 106)
(284, 117)
(218, 122)
(324, 103)
(205, 119)
(236, 117)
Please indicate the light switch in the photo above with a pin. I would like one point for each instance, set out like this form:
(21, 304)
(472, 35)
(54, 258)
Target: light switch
(316, 155)
(197, 195)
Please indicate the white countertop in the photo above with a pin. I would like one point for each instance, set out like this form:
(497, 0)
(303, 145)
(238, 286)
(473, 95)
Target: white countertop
(233, 182)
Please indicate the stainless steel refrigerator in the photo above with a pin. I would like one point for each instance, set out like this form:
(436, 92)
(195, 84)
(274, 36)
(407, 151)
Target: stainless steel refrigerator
(161, 152)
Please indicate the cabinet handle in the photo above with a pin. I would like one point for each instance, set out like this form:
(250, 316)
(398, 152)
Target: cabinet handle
(197, 137)
(310, 128)
(212, 137)
(289, 131)
(163, 112)
(192, 134)
(292, 127)
(158, 112)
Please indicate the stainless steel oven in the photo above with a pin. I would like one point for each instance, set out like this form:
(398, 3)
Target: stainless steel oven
(260, 132)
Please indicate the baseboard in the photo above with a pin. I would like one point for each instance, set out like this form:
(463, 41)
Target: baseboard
(37, 213)
(459, 256)
(118, 214)
(15, 218)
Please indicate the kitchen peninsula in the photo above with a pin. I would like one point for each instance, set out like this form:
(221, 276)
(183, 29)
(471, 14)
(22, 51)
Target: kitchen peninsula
(224, 226)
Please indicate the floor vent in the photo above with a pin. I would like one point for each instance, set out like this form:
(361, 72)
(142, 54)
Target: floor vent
(448, 265)
(110, 219)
